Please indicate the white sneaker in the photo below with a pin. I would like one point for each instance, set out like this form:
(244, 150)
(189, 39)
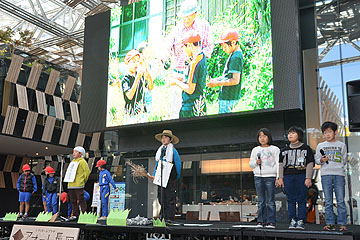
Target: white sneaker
(293, 224)
(102, 218)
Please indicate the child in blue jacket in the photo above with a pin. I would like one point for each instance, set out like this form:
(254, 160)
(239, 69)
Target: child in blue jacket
(105, 180)
(51, 187)
(26, 185)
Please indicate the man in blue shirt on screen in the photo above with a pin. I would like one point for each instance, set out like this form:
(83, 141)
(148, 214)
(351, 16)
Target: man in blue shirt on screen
(230, 81)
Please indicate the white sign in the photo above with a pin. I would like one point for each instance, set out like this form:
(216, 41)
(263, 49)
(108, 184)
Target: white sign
(42, 232)
(96, 195)
(167, 166)
(71, 172)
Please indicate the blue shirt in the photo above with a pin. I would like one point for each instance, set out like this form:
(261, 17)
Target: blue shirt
(177, 162)
(105, 178)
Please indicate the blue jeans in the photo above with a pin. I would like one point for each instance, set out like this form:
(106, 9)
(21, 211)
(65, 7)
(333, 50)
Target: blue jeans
(226, 106)
(330, 184)
(296, 192)
(266, 199)
(51, 202)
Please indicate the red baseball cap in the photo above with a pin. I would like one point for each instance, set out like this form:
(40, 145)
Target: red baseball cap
(191, 37)
(132, 53)
(49, 169)
(228, 35)
(26, 167)
(63, 197)
(100, 163)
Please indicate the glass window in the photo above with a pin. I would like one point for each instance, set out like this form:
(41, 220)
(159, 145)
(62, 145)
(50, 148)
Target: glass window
(338, 63)
(126, 42)
(140, 9)
(128, 13)
(134, 27)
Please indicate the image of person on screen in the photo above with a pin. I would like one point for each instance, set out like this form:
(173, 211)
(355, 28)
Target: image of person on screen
(133, 84)
(193, 102)
(167, 153)
(230, 80)
(151, 67)
(189, 22)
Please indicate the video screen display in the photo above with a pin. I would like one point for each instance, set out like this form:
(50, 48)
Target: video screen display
(200, 59)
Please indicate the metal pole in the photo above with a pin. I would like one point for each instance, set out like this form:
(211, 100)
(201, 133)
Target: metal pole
(61, 180)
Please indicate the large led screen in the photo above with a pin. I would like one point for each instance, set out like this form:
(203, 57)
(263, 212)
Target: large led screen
(204, 58)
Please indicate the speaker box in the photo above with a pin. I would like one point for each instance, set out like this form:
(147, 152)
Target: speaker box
(353, 102)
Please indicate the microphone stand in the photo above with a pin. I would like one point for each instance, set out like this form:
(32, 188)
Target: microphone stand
(61, 181)
(161, 187)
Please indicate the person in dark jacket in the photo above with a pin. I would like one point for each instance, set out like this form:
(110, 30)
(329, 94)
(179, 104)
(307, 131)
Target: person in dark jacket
(50, 189)
(26, 185)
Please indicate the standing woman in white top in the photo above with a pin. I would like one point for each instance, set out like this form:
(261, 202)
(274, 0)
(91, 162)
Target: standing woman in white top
(264, 161)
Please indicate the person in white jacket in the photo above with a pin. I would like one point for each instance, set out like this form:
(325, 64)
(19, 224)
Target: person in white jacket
(264, 161)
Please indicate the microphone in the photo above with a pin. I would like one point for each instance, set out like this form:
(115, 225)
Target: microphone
(259, 158)
(323, 154)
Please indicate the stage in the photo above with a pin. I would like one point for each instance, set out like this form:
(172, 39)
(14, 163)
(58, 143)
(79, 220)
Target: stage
(187, 230)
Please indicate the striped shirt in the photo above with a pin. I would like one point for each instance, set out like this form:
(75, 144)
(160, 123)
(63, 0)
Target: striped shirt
(178, 32)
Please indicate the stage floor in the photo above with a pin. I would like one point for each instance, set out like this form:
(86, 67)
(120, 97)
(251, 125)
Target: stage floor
(190, 230)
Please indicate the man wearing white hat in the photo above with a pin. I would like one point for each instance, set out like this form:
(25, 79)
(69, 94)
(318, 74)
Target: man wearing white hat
(76, 188)
(167, 153)
(188, 12)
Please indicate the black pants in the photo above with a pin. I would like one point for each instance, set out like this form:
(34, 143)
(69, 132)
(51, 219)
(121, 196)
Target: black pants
(77, 199)
(168, 201)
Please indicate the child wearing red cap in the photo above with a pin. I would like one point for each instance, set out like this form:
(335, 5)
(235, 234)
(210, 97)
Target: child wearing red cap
(230, 81)
(50, 189)
(195, 77)
(104, 182)
(26, 185)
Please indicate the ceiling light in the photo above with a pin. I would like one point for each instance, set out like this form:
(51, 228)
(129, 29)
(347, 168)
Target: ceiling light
(46, 148)
(37, 154)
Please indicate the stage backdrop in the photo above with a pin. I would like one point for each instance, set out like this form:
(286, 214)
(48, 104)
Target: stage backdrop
(117, 92)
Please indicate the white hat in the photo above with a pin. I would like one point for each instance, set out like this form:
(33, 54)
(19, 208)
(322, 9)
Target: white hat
(80, 150)
(188, 7)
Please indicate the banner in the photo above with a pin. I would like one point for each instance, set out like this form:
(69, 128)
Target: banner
(117, 199)
(42, 232)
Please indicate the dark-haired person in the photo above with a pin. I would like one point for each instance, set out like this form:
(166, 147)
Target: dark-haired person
(264, 161)
(332, 169)
(193, 87)
(168, 153)
(295, 172)
(231, 78)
